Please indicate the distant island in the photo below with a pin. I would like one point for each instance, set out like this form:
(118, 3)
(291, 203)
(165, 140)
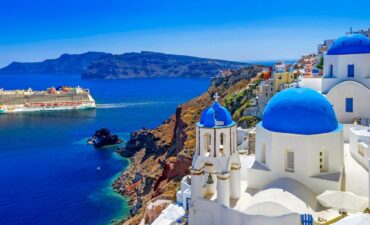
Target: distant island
(100, 65)
(65, 64)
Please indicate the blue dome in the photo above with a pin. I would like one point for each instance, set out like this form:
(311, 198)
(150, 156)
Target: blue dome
(299, 111)
(215, 115)
(350, 44)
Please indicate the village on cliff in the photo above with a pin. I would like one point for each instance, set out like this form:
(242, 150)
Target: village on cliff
(305, 162)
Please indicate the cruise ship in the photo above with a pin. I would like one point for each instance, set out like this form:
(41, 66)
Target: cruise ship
(60, 98)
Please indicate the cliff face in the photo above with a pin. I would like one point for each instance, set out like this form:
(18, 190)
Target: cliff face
(162, 156)
(152, 64)
(65, 64)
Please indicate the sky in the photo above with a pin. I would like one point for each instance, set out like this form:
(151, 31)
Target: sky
(240, 30)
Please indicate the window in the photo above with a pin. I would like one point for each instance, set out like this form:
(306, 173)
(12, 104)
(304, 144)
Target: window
(331, 70)
(349, 105)
(289, 164)
(361, 149)
(222, 144)
(351, 70)
(323, 161)
(263, 153)
(207, 143)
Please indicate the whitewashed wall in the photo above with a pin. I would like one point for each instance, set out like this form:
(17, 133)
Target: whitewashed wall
(306, 158)
(205, 212)
(361, 100)
(340, 63)
(313, 83)
(359, 137)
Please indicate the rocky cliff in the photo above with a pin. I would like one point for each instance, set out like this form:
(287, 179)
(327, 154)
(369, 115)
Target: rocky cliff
(162, 156)
(65, 64)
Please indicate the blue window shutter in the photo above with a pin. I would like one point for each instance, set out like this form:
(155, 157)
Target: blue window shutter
(331, 70)
(306, 219)
(351, 70)
(349, 104)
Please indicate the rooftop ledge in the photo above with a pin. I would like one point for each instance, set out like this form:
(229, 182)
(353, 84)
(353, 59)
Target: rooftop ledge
(329, 176)
(259, 166)
(217, 126)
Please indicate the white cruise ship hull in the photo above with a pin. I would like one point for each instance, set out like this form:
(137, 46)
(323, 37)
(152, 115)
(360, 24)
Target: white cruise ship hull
(48, 106)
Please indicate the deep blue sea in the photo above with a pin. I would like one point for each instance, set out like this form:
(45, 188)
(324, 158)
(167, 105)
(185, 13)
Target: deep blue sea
(47, 171)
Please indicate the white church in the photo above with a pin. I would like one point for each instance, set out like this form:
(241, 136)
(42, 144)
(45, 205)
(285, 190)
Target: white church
(346, 78)
(307, 148)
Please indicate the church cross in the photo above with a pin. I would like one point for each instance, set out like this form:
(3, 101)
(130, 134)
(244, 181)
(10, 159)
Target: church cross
(216, 97)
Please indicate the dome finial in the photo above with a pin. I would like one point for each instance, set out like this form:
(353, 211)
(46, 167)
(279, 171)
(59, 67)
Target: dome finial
(216, 97)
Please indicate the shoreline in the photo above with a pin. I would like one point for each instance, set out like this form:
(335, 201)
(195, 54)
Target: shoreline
(125, 200)
(161, 156)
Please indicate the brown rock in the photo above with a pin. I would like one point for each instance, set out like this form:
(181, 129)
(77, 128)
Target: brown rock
(162, 156)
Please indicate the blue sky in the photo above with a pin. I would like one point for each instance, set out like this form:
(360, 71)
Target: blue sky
(243, 30)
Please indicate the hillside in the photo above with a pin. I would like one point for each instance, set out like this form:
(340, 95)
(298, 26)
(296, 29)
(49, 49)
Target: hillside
(65, 64)
(162, 156)
(99, 65)
(152, 64)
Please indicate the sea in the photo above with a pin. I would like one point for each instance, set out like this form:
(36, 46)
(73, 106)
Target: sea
(48, 173)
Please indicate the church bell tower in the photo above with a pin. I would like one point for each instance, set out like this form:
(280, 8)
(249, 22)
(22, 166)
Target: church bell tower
(215, 170)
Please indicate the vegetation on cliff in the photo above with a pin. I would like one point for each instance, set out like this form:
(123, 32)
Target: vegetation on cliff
(162, 156)
(241, 101)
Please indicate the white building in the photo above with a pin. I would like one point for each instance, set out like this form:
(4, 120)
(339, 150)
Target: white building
(300, 153)
(346, 78)
(265, 91)
(359, 145)
(216, 166)
(301, 149)
(299, 138)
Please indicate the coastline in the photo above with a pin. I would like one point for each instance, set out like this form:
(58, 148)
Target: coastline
(160, 157)
(124, 212)
(71, 163)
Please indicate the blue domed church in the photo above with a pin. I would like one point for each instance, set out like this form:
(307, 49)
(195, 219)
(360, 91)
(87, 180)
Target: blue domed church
(346, 78)
(300, 138)
(298, 156)
(300, 152)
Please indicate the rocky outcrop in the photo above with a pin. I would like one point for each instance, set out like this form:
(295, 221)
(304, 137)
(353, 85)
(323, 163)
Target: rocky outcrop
(161, 157)
(142, 139)
(103, 137)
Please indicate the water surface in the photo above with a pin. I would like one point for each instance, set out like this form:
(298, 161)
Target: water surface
(48, 172)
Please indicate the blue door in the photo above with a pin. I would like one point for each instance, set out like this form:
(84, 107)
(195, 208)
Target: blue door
(349, 105)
